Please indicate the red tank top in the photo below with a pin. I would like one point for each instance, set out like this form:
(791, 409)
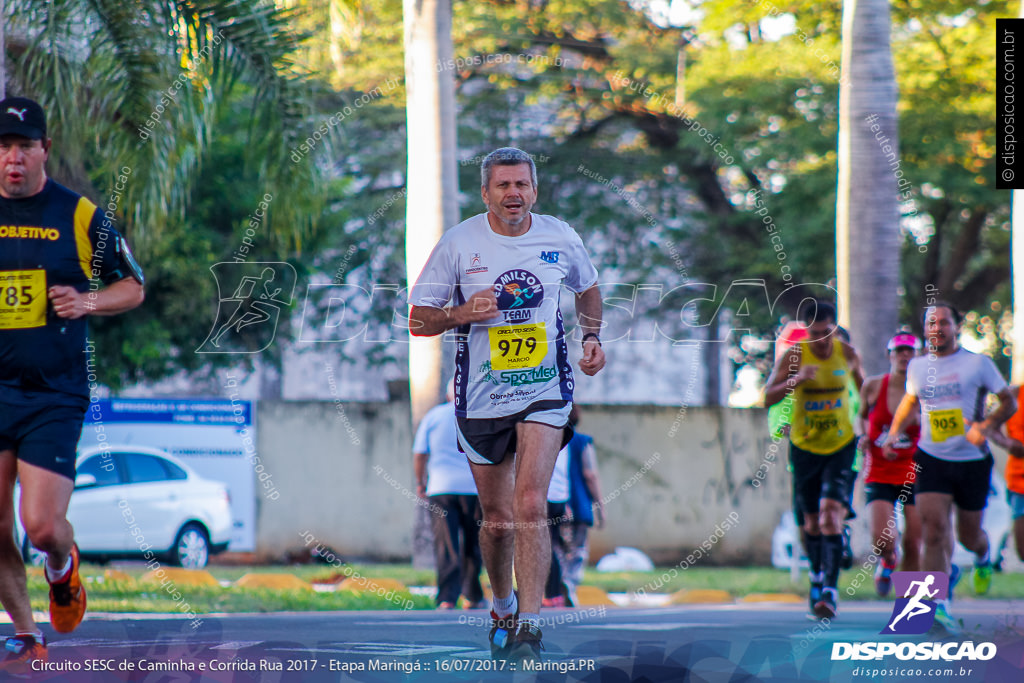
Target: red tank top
(876, 468)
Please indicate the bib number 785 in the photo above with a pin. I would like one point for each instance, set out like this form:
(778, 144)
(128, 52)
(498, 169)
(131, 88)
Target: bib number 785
(22, 299)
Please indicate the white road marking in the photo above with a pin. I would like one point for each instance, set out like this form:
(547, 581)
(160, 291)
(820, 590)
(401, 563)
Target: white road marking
(378, 649)
(237, 644)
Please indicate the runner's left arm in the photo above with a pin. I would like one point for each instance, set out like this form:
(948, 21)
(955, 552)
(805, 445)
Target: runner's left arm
(989, 427)
(1007, 407)
(118, 297)
(114, 266)
(856, 370)
(588, 311)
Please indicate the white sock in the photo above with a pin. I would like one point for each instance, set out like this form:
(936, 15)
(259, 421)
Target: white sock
(53, 575)
(981, 560)
(503, 607)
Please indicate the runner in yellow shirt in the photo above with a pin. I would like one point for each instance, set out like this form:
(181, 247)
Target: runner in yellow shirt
(823, 446)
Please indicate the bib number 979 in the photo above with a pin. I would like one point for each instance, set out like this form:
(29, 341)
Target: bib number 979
(515, 346)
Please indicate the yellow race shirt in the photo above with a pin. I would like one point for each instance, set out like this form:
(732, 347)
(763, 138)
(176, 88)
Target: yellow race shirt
(822, 420)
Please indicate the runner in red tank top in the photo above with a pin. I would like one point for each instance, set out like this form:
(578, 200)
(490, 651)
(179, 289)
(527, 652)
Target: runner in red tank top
(889, 482)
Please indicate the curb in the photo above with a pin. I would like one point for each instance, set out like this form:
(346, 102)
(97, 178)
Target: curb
(587, 596)
(278, 582)
(183, 577)
(367, 584)
(700, 597)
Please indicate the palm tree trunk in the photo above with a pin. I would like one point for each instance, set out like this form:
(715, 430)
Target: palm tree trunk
(1017, 277)
(432, 203)
(3, 50)
(867, 210)
(432, 200)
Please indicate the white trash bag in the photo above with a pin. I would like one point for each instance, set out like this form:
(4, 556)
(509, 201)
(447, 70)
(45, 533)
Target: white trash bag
(625, 560)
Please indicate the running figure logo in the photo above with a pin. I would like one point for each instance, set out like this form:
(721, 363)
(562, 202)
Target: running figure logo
(521, 295)
(485, 368)
(914, 613)
(247, 319)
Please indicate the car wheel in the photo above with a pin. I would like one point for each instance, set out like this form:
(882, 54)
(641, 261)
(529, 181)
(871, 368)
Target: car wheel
(192, 549)
(32, 555)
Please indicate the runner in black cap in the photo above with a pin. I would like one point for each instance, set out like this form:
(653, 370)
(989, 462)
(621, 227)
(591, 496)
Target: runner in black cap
(53, 244)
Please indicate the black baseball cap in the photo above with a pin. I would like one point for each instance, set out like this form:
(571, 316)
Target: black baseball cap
(22, 116)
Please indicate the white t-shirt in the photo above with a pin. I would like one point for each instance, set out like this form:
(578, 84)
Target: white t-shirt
(519, 356)
(952, 391)
(558, 489)
(447, 469)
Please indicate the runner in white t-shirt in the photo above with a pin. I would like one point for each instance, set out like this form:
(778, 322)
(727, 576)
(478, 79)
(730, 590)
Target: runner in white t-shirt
(950, 384)
(443, 476)
(555, 590)
(503, 272)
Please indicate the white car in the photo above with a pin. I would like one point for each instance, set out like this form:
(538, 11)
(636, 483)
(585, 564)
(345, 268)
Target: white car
(132, 499)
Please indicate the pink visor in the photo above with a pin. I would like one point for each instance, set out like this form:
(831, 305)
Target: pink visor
(904, 339)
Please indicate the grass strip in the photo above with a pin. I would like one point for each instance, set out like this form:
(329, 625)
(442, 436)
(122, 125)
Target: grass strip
(133, 596)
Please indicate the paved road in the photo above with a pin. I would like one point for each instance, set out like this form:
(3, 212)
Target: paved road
(701, 643)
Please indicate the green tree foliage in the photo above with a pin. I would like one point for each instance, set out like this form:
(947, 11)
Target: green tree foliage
(956, 223)
(590, 87)
(198, 105)
(665, 194)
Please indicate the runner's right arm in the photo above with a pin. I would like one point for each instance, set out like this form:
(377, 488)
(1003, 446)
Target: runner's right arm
(593, 484)
(868, 396)
(908, 405)
(786, 376)
(428, 321)
(421, 454)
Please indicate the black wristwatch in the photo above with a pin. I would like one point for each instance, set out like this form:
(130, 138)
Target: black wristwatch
(588, 335)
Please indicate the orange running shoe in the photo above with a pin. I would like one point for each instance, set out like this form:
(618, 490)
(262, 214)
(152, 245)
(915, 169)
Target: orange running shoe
(67, 599)
(20, 652)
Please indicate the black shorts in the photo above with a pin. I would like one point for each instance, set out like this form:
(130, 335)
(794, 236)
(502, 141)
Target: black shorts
(890, 493)
(491, 439)
(43, 435)
(822, 476)
(968, 481)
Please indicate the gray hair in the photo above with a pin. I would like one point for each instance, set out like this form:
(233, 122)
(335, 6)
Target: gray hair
(506, 156)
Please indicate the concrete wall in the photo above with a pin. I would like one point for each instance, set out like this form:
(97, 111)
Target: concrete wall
(332, 464)
(669, 477)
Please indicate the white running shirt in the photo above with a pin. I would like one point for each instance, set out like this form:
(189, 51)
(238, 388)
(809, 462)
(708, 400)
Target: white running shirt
(558, 489)
(952, 391)
(519, 356)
